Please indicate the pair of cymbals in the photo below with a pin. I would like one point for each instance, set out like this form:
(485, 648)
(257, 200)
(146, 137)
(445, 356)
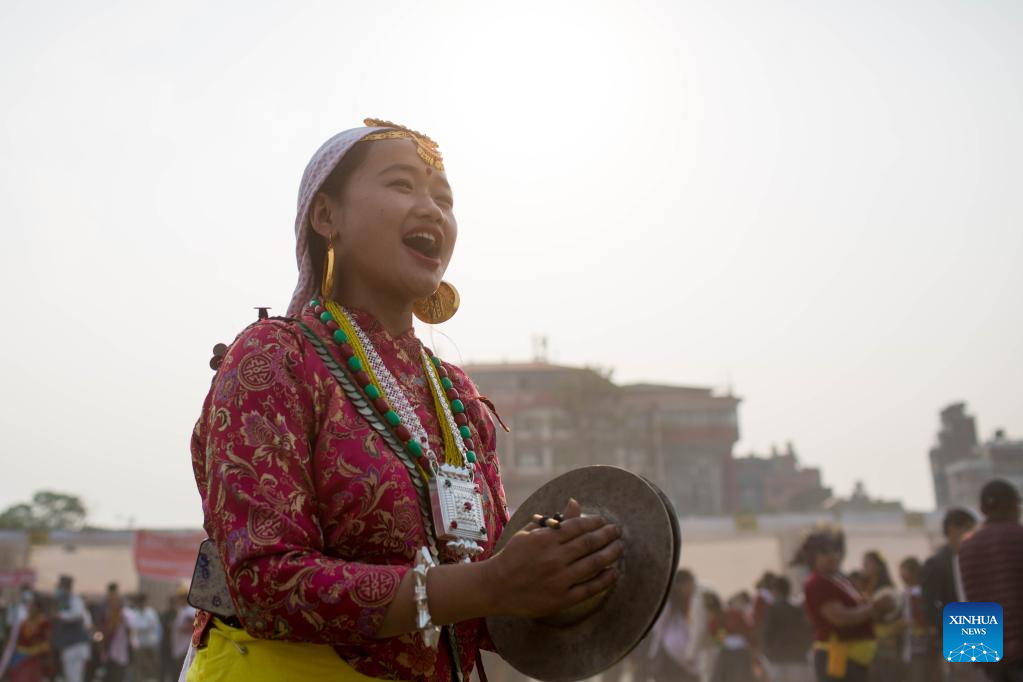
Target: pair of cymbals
(594, 636)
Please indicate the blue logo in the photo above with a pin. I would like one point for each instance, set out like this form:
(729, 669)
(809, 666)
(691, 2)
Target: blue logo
(972, 632)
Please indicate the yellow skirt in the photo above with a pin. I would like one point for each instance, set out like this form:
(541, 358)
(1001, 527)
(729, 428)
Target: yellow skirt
(233, 655)
(840, 652)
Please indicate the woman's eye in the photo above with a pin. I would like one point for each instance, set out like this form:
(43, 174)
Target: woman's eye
(405, 184)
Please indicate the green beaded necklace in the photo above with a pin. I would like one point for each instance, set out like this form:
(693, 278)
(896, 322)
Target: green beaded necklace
(459, 451)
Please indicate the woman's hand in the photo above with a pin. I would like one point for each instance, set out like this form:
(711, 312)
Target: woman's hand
(542, 571)
(882, 606)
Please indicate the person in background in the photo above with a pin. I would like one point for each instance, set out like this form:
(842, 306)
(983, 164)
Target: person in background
(180, 631)
(738, 645)
(115, 636)
(30, 662)
(145, 633)
(672, 651)
(888, 627)
(915, 631)
(763, 598)
(72, 629)
(938, 587)
(916, 638)
(991, 568)
(859, 580)
(713, 612)
(841, 616)
(786, 636)
(875, 573)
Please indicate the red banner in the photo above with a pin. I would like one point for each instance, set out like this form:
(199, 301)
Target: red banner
(165, 554)
(17, 577)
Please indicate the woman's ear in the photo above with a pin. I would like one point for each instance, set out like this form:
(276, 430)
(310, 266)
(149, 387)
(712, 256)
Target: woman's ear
(325, 215)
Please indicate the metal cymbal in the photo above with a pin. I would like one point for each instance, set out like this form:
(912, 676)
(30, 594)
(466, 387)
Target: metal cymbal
(598, 634)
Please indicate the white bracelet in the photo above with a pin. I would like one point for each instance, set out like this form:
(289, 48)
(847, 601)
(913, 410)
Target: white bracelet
(424, 621)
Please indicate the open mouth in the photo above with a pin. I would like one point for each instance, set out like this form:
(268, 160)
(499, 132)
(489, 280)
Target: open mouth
(423, 243)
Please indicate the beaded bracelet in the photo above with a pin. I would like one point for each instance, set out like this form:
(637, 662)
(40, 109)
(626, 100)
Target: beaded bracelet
(424, 621)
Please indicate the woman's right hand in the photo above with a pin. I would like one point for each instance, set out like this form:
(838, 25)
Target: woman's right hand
(542, 571)
(882, 606)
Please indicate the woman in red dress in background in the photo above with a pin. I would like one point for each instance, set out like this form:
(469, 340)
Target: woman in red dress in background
(841, 616)
(31, 661)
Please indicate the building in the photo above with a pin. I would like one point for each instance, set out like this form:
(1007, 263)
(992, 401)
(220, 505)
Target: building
(861, 503)
(998, 457)
(682, 438)
(562, 418)
(957, 439)
(777, 484)
(961, 465)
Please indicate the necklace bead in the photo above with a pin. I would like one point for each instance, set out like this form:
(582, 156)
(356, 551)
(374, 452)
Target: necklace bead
(355, 354)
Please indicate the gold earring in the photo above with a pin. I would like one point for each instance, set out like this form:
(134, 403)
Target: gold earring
(327, 285)
(438, 307)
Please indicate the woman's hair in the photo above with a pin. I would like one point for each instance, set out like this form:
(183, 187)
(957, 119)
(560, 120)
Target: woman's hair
(911, 565)
(712, 601)
(818, 541)
(884, 577)
(334, 187)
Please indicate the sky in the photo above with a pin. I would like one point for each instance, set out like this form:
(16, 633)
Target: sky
(815, 204)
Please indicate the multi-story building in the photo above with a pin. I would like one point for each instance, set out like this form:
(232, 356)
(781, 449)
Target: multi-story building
(957, 440)
(778, 484)
(999, 457)
(562, 418)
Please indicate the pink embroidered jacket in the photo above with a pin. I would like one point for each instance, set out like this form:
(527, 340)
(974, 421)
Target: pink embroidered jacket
(316, 519)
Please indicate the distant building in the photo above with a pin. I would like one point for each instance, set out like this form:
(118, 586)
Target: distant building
(961, 465)
(957, 440)
(999, 457)
(777, 484)
(862, 503)
(562, 418)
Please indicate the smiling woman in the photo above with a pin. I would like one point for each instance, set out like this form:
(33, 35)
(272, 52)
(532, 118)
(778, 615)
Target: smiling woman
(348, 475)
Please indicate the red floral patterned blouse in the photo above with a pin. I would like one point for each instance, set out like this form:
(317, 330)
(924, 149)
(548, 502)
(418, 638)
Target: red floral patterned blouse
(316, 519)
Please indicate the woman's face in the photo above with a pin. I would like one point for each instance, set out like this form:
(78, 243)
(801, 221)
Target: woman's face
(827, 561)
(871, 567)
(394, 224)
(908, 576)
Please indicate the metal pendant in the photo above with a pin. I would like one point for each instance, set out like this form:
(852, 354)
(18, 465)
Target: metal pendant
(457, 511)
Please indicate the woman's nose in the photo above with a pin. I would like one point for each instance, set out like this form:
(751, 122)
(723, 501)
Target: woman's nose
(428, 209)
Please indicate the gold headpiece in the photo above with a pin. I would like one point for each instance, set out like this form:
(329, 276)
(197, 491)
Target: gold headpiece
(425, 147)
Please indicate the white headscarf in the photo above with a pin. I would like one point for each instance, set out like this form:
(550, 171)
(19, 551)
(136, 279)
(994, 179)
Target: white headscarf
(323, 163)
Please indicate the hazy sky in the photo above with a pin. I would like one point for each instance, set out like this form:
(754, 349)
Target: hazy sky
(817, 203)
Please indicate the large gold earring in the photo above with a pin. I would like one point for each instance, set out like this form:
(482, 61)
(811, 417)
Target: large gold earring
(440, 306)
(327, 285)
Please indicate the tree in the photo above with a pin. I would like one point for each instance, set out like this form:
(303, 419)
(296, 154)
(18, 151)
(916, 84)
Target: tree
(48, 510)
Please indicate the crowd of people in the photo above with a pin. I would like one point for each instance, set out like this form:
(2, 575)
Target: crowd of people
(116, 639)
(860, 626)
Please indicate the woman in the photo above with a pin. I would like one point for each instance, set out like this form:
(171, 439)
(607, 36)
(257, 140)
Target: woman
(672, 640)
(734, 631)
(31, 659)
(876, 575)
(916, 638)
(331, 439)
(842, 618)
(888, 627)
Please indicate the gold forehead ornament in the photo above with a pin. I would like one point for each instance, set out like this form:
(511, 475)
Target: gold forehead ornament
(425, 147)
